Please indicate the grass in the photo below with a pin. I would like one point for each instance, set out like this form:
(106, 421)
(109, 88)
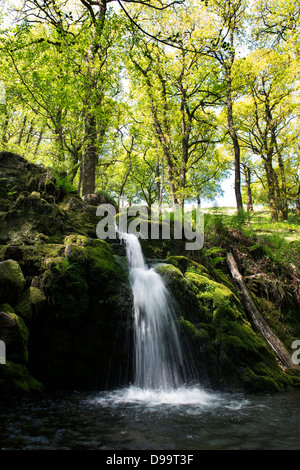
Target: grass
(289, 230)
(260, 222)
(281, 239)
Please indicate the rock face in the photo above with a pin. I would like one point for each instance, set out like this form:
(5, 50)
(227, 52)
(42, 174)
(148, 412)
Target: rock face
(66, 303)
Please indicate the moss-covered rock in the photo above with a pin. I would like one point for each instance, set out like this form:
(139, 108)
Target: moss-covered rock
(76, 239)
(16, 380)
(66, 289)
(31, 220)
(14, 333)
(80, 217)
(18, 174)
(185, 264)
(12, 281)
(30, 304)
(227, 352)
(37, 258)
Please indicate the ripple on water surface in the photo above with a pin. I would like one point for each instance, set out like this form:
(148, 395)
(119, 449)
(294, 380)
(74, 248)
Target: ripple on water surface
(132, 418)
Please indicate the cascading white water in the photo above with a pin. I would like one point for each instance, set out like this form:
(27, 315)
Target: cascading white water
(159, 361)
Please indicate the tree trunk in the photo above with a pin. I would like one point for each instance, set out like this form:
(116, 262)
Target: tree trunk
(5, 125)
(167, 154)
(21, 133)
(90, 157)
(236, 145)
(183, 169)
(159, 178)
(249, 192)
(279, 201)
(271, 189)
(285, 360)
(90, 154)
(283, 184)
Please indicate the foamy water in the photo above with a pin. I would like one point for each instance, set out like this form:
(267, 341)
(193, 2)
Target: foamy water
(181, 396)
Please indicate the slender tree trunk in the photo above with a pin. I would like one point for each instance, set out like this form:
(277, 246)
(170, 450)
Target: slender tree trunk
(235, 142)
(249, 192)
(5, 126)
(79, 186)
(271, 188)
(183, 169)
(90, 157)
(185, 134)
(22, 130)
(159, 180)
(283, 185)
(29, 135)
(278, 195)
(39, 140)
(284, 358)
(274, 189)
(298, 202)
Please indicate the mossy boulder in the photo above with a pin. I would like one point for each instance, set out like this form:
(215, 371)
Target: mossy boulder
(31, 220)
(30, 304)
(80, 217)
(35, 259)
(16, 380)
(12, 281)
(100, 197)
(184, 296)
(14, 333)
(66, 289)
(185, 264)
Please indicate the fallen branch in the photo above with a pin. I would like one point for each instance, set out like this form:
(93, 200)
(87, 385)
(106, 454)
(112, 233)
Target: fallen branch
(277, 346)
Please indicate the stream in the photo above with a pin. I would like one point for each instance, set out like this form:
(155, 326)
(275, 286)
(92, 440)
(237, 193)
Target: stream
(136, 419)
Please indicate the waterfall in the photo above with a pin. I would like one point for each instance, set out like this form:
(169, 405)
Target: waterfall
(159, 360)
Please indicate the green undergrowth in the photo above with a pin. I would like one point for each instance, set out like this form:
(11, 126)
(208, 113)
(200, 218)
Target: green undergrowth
(281, 240)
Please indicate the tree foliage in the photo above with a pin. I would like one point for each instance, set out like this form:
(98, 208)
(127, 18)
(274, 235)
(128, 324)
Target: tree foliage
(157, 101)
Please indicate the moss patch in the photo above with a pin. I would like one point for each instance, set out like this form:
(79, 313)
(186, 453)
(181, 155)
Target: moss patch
(14, 333)
(185, 264)
(12, 281)
(227, 352)
(16, 380)
(30, 304)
